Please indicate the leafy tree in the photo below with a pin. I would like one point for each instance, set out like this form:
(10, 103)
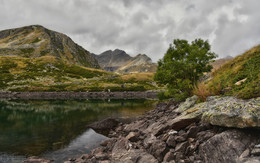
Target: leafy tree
(183, 65)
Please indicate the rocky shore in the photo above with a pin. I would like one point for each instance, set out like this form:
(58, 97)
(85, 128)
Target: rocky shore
(220, 130)
(78, 95)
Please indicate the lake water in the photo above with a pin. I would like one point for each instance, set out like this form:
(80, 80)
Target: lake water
(56, 129)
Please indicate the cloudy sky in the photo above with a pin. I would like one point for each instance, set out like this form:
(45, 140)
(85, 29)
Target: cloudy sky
(142, 26)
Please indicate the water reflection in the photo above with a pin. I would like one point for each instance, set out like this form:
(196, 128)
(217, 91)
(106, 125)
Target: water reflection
(53, 127)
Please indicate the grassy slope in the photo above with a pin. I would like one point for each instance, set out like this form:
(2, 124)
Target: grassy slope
(245, 66)
(46, 73)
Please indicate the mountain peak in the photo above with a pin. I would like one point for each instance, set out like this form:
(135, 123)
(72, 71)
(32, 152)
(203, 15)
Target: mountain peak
(35, 41)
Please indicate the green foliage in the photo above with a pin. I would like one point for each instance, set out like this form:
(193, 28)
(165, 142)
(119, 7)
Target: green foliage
(182, 66)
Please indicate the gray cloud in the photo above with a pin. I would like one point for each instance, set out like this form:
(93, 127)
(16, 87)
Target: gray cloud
(141, 26)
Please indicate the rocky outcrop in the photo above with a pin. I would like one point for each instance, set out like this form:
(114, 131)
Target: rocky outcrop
(231, 112)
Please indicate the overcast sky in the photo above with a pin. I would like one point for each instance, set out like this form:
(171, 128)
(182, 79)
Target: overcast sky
(142, 26)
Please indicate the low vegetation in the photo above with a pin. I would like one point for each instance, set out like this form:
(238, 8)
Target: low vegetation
(239, 77)
(46, 73)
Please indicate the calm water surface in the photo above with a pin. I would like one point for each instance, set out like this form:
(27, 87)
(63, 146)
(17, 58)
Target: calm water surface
(56, 129)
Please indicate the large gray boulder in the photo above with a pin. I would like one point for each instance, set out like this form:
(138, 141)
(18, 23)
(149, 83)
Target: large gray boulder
(232, 112)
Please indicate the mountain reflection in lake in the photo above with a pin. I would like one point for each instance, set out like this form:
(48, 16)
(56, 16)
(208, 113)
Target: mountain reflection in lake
(57, 128)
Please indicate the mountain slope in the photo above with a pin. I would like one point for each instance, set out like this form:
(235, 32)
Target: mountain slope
(36, 41)
(238, 77)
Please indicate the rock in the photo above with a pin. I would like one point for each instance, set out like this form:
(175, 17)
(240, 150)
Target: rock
(226, 146)
(181, 121)
(106, 124)
(171, 141)
(105, 161)
(155, 146)
(137, 125)
(240, 81)
(192, 132)
(180, 138)
(172, 132)
(232, 112)
(132, 136)
(178, 156)
(157, 127)
(169, 156)
(101, 156)
(109, 144)
(249, 160)
(255, 152)
(122, 152)
(35, 159)
(246, 153)
(97, 150)
(204, 135)
(79, 160)
(181, 147)
(187, 104)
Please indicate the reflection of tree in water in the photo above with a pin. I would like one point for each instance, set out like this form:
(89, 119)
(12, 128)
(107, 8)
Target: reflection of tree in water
(31, 127)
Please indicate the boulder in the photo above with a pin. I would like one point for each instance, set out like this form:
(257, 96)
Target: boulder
(106, 124)
(226, 146)
(232, 112)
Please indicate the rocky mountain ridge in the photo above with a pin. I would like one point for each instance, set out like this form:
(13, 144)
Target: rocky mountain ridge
(120, 62)
(37, 41)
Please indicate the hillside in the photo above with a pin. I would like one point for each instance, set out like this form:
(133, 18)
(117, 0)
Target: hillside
(239, 77)
(36, 41)
(36, 59)
(120, 62)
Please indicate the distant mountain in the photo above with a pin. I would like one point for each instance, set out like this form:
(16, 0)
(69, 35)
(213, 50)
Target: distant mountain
(36, 41)
(219, 62)
(112, 60)
(121, 62)
(140, 63)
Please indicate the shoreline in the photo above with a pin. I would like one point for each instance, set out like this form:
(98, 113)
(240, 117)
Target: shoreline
(79, 95)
